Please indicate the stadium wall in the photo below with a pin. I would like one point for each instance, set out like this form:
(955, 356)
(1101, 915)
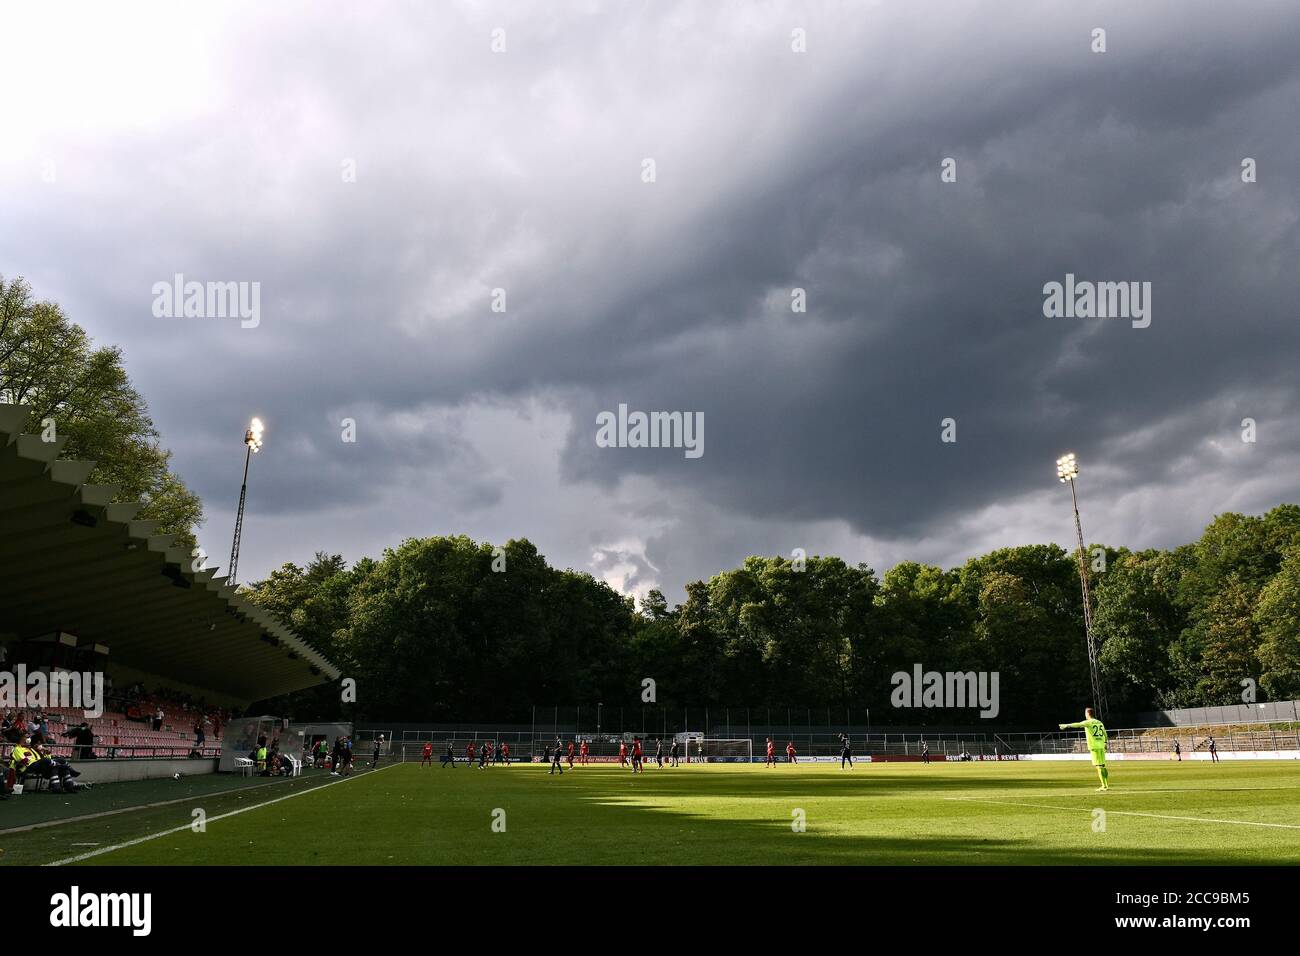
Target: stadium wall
(1273, 711)
(117, 771)
(1223, 755)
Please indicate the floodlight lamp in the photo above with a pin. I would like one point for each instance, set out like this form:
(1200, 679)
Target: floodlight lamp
(253, 437)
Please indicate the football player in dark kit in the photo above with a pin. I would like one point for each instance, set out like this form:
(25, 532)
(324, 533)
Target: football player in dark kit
(846, 751)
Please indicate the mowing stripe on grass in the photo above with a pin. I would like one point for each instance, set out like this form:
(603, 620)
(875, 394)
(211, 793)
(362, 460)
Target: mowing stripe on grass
(185, 826)
(1128, 813)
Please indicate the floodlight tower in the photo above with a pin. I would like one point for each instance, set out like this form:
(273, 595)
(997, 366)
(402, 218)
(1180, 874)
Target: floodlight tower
(253, 443)
(1067, 470)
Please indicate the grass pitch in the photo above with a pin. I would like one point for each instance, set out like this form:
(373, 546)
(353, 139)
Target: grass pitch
(1030, 813)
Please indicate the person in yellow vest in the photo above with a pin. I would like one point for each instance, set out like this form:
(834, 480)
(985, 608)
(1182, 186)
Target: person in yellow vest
(21, 759)
(24, 756)
(29, 760)
(261, 760)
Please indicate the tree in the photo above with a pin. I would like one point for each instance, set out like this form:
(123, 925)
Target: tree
(315, 603)
(920, 618)
(1277, 618)
(438, 629)
(1029, 628)
(49, 363)
(1136, 621)
(447, 628)
(1229, 650)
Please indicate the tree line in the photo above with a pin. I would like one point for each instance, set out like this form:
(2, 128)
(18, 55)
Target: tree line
(450, 629)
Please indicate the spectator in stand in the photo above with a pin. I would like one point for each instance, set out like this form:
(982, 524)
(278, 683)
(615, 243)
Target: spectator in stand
(7, 730)
(198, 734)
(158, 718)
(84, 738)
(39, 729)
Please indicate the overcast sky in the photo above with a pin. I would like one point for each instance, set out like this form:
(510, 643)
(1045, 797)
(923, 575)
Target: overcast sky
(379, 169)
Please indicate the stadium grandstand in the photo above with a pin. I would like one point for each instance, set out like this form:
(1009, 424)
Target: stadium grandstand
(88, 593)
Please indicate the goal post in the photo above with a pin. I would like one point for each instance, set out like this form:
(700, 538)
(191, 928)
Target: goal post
(722, 750)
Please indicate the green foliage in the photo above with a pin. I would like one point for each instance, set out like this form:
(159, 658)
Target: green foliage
(50, 363)
(1277, 618)
(432, 632)
(1136, 620)
(448, 629)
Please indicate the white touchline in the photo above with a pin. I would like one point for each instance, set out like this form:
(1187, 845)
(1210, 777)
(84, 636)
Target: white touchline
(1127, 813)
(233, 813)
(1127, 792)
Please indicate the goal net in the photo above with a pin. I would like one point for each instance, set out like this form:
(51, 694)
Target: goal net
(720, 750)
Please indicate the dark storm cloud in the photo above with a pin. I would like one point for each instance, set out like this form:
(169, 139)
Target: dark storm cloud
(1094, 177)
(775, 170)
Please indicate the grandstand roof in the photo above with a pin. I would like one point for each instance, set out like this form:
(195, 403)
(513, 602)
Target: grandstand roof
(71, 560)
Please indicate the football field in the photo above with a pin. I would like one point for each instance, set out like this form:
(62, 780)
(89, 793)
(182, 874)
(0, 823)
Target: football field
(1030, 813)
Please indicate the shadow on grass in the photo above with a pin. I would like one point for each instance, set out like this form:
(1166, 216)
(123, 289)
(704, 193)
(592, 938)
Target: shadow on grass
(409, 817)
(748, 841)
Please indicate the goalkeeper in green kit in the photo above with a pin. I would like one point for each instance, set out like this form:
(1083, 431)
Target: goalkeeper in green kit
(1095, 733)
